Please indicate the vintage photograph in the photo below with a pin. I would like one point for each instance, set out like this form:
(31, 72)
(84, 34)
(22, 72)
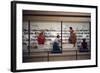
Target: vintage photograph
(48, 36)
(55, 36)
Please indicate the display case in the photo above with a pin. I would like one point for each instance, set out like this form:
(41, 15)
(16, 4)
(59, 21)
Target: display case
(50, 29)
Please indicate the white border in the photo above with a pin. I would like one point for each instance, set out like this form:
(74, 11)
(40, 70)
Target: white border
(21, 65)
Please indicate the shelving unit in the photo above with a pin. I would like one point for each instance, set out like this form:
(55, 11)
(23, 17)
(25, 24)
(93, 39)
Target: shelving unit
(50, 35)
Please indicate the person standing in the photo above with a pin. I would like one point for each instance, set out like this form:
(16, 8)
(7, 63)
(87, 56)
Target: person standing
(41, 38)
(72, 38)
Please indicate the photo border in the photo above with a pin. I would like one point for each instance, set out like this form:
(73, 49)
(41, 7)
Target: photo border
(13, 34)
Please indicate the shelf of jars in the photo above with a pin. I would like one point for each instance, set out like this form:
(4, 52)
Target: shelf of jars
(52, 29)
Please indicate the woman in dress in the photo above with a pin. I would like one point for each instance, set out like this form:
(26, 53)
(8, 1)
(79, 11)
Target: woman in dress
(72, 38)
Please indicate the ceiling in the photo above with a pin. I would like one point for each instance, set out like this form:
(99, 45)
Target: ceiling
(54, 13)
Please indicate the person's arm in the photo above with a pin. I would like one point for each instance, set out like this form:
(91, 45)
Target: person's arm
(86, 45)
(81, 45)
(44, 39)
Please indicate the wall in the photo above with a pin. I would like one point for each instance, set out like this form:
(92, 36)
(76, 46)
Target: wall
(52, 28)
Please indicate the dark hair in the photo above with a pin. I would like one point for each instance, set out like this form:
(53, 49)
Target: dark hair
(84, 40)
(71, 28)
(58, 36)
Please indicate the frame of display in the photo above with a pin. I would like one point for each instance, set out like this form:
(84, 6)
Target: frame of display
(68, 32)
